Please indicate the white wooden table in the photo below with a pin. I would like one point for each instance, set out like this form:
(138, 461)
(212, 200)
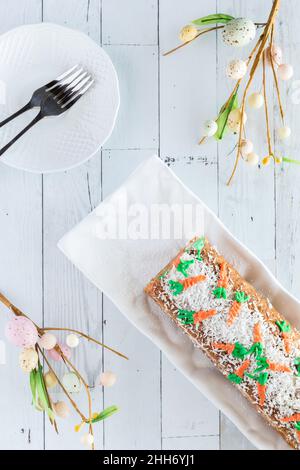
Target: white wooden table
(163, 102)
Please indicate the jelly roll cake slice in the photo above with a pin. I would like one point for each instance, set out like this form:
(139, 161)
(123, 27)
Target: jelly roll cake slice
(253, 345)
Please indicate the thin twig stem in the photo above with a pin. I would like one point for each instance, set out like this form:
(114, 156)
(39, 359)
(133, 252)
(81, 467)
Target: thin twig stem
(89, 338)
(264, 37)
(275, 78)
(266, 107)
(204, 31)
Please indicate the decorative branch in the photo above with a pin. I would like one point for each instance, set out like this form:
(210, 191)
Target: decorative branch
(24, 333)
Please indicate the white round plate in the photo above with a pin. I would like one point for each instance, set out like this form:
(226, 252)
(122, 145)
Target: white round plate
(30, 57)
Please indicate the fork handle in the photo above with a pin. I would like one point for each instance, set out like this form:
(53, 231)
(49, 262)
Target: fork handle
(37, 118)
(16, 114)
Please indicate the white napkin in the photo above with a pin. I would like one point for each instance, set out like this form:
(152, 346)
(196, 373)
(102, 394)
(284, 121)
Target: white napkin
(121, 268)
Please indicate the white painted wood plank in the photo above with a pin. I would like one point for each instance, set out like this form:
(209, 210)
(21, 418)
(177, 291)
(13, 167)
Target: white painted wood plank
(191, 443)
(185, 412)
(247, 207)
(80, 14)
(20, 271)
(183, 100)
(136, 126)
(288, 175)
(131, 22)
(69, 297)
(138, 389)
(187, 80)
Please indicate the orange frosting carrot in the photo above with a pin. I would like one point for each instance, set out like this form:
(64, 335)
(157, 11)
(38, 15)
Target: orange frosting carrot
(295, 417)
(223, 279)
(257, 335)
(298, 434)
(261, 389)
(224, 347)
(203, 314)
(242, 369)
(278, 367)
(287, 341)
(191, 281)
(233, 312)
(177, 259)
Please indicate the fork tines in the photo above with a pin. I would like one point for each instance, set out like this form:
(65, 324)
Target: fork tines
(70, 86)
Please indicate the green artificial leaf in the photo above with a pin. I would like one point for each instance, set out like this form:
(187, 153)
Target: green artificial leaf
(223, 116)
(290, 160)
(105, 413)
(213, 19)
(42, 393)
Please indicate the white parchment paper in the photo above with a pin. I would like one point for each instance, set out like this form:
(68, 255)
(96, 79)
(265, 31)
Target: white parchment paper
(122, 267)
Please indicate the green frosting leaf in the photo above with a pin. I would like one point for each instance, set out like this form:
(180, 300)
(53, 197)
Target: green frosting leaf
(241, 297)
(186, 317)
(284, 326)
(184, 265)
(256, 349)
(213, 19)
(262, 364)
(297, 425)
(220, 292)
(260, 378)
(199, 245)
(239, 351)
(234, 378)
(176, 287)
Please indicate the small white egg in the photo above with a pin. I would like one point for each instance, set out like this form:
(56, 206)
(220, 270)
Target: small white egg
(28, 360)
(108, 379)
(71, 382)
(47, 341)
(285, 71)
(61, 409)
(239, 32)
(72, 341)
(246, 147)
(256, 100)
(210, 127)
(236, 69)
(50, 379)
(87, 440)
(234, 120)
(252, 158)
(284, 132)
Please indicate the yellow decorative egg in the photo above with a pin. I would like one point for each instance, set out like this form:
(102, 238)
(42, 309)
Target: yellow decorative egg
(28, 360)
(188, 33)
(256, 100)
(234, 120)
(50, 379)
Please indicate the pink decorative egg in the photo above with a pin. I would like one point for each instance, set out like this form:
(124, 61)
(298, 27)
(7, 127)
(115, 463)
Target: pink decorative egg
(53, 354)
(21, 332)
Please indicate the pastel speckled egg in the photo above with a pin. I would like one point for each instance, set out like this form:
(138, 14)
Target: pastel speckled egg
(53, 354)
(28, 360)
(47, 341)
(252, 158)
(239, 32)
(21, 332)
(236, 69)
(234, 120)
(71, 382)
(61, 409)
(210, 127)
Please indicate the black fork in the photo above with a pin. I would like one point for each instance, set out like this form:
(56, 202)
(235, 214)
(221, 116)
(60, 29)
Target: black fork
(54, 99)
